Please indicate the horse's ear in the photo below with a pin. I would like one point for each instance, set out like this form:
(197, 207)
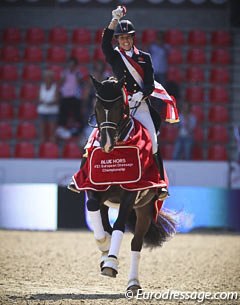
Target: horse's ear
(96, 83)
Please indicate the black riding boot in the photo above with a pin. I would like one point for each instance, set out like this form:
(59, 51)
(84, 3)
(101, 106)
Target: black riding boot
(71, 186)
(163, 191)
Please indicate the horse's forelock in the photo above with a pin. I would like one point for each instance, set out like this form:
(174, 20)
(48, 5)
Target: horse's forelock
(110, 89)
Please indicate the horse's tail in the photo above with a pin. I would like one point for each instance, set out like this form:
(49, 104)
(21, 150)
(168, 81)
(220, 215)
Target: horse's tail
(159, 231)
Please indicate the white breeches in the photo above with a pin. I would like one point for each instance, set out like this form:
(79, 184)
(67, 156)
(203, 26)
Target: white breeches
(143, 116)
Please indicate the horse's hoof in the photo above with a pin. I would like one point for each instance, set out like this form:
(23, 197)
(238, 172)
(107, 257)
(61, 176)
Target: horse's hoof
(104, 243)
(103, 258)
(134, 286)
(110, 267)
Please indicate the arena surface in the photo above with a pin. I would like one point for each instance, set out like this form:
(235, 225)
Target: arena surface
(62, 268)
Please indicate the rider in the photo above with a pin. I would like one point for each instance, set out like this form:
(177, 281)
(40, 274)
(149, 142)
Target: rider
(138, 88)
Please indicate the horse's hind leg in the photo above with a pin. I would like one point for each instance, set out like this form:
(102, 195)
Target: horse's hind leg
(110, 266)
(143, 221)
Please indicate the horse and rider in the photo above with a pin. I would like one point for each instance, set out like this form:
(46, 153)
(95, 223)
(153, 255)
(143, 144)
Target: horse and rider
(122, 108)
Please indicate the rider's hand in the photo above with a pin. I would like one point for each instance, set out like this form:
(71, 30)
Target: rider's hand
(118, 13)
(137, 97)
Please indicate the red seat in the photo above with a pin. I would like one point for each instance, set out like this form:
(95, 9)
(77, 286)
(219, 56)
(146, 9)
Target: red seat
(27, 111)
(174, 74)
(81, 54)
(56, 54)
(217, 152)
(198, 134)
(195, 94)
(26, 131)
(218, 94)
(72, 151)
(197, 38)
(10, 54)
(197, 152)
(98, 54)
(32, 73)
(220, 57)
(174, 37)
(81, 36)
(33, 54)
(175, 56)
(57, 70)
(220, 75)
(197, 110)
(98, 36)
(196, 56)
(218, 133)
(149, 36)
(218, 114)
(6, 111)
(166, 151)
(168, 133)
(221, 38)
(5, 131)
(84, 72)
(24, 150)
(5, 151)
(9, 73)
(58, 36)
(11, 36)
(7, 92)
(35, 36)
(29, 92)
(195, 74)
(48, 150)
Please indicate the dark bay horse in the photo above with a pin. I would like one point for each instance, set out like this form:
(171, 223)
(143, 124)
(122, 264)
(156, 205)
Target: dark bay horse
(136, 208)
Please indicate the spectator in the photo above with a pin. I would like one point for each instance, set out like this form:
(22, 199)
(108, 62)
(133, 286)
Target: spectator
(184, 142)
(159, 52)
(48, 106)
(70, 89)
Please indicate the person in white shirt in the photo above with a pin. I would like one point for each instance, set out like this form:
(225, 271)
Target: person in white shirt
(48, 106)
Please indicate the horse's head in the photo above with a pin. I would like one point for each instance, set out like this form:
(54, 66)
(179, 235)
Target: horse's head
(110, 110)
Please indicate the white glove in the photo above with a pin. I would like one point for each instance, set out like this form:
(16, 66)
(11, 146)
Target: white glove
(118, 13)
(137, 97)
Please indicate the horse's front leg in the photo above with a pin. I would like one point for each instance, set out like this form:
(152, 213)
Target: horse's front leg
(110, 265)
(101, 236)
(144, 217)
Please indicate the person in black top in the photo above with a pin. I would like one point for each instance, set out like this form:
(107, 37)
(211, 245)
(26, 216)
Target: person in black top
(136, 67)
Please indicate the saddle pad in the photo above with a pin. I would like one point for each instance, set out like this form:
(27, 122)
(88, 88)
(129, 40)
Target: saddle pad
(121, 165)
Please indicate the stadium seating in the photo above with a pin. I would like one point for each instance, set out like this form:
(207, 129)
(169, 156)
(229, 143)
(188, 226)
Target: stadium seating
(6, 131)
(175, 74)
(58, 35)
(195, 94)
(5, 150)
(174, 37)
(168, 133)
(196, 56)
(198, 134)
(35, 36)
(220, 57)
(81, 54)
(149, 36)
(33, 54)
(26, 131)
(217, 152)
(218, 133)
(175, 56)
(24, 149)
(48, 150)
(98, 36)
(71, 150)
(81, 36)
(29, 92)
(219, 75)
(7, 92)
(57, 70)
(9, 73)
(221, 38)
(167, 151)
(11, 35)
(6, 111)
(27, 111)
(10, 54)
(98, 54)
(32, 73)
(195, 74)
(197, 38)
(56, 54)
(219, 94)
(218, 114)
(197, 152)
(198, 111)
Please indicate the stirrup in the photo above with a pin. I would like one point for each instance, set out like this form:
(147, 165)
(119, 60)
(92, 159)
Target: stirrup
(163, 193)
(71, 186)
